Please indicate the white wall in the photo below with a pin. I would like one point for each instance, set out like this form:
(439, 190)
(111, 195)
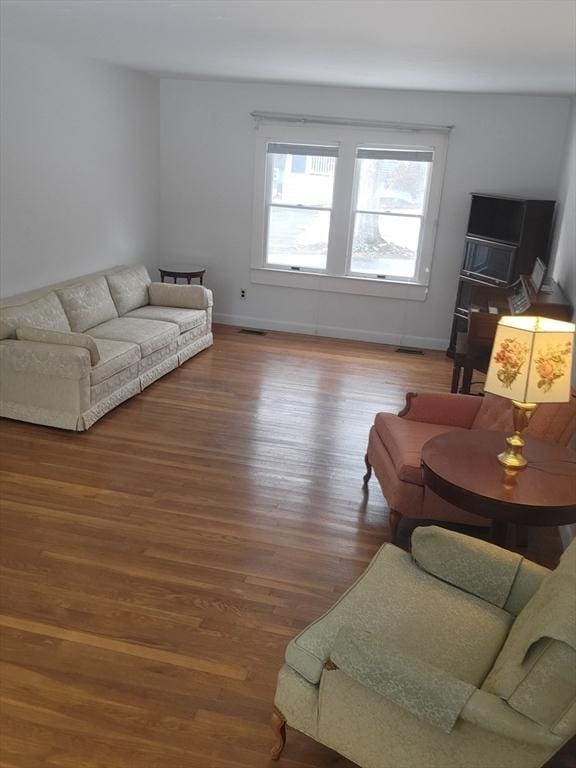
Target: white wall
(80, 166)
(564, 242)
(506, 144)
(564, 249)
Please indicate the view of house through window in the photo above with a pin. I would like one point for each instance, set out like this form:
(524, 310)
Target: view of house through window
(390, 205)
(301, 188)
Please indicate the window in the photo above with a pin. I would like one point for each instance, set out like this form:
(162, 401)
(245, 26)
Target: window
(391, 194)
(346, 209)
(300, 188)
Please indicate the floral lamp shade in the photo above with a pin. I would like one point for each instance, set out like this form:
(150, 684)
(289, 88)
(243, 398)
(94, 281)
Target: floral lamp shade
(531, 360)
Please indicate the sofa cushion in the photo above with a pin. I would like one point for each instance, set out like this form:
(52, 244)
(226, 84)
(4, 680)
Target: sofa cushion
(87, 304)
(554, 422)
(150, 335)
(115, 356)
(44, 312)
(129, 288)
(495, 414)
(470, 564)
(114, 384)
(67, 338)
(185, 319)
(403, 439)
(407, 607)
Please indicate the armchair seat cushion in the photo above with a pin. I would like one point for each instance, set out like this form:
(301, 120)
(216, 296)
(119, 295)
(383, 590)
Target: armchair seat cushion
(185, 319)
(404, 439)
(115, 356)
(150, 335)
(405, 606)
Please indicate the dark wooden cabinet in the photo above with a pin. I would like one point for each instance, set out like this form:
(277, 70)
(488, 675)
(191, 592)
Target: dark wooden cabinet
(504, 237)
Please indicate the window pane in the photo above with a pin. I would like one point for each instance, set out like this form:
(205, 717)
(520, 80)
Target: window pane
(392, 185)
(385, 245)
(302, 179)
(298, 238)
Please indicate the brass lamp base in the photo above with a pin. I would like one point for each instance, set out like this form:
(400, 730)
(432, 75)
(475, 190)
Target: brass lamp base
(512, 457)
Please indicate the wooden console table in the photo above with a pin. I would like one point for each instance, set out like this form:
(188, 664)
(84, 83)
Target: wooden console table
(462, 468)
(187, 271)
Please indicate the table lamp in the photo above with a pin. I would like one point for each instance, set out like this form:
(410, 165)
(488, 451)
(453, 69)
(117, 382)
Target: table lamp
(530, 363)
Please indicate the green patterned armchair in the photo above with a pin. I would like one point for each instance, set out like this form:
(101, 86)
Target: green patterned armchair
(459, 655)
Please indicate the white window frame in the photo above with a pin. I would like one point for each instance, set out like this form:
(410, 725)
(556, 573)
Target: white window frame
(337, 276)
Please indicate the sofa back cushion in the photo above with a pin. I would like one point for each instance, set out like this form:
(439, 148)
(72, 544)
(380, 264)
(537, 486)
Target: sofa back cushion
(129, 288)
(535, 671)
(552, 422)
(66, 338)
(495, 414)
(43, 312)
(87, 304)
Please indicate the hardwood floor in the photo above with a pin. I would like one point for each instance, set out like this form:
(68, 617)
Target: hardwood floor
(155, 567)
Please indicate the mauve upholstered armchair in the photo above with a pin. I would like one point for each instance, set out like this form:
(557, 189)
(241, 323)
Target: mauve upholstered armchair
(461, 655)
(396, 440)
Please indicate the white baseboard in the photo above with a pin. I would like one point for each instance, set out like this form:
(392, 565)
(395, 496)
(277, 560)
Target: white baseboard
(335, 332)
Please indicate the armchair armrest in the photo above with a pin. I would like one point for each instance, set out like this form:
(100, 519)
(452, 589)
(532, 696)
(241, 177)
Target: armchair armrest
(182, 296)
(40, 358)
(427, 692)
(496, 575)
(495, 715)
(441, 408)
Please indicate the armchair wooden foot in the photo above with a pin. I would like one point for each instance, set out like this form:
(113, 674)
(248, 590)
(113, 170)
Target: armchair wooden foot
(279, 727)
(393, 520)
(368, 474)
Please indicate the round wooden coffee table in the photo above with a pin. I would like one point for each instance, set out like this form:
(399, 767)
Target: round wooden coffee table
(462, 468)
(187, 271)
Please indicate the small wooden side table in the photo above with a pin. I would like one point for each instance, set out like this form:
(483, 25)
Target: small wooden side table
(187, 271)
(462, 468)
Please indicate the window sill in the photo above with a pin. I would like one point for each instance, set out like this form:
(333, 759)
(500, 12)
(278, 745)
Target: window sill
(360, 286)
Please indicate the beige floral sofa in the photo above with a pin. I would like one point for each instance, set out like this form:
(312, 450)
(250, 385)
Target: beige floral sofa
(71, 352)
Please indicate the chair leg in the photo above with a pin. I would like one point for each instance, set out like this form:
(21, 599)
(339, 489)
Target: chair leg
(455, 378)
(467, 378)
(279, 727)
(368, 474)
(393, 520)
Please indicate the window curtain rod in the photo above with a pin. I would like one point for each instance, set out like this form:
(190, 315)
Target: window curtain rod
(279, 118)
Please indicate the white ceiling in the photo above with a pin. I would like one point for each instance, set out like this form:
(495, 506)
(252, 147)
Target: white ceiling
(508, 46)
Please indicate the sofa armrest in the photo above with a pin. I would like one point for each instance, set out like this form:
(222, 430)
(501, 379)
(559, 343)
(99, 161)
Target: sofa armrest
(470, 564)
(441, 408)
(428, 692)
(425, 691)
(40, 358)
(493, 714)
(181, 296)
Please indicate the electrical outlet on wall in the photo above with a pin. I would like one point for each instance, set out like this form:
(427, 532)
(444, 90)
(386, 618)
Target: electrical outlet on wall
(243, 293)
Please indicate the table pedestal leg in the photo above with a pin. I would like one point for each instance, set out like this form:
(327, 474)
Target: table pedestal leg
(498, 531)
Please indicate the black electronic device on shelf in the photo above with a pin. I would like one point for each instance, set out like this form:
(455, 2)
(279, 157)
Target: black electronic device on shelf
(504, 237)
